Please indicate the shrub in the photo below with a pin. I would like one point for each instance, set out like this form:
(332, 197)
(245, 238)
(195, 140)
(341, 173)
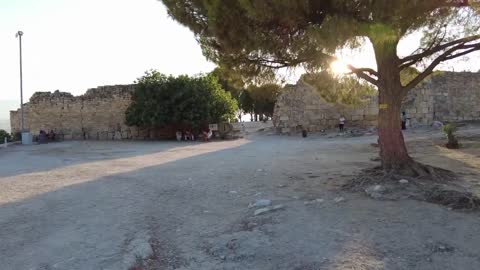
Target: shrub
(3, 135)
(450, 130)
(160, 101)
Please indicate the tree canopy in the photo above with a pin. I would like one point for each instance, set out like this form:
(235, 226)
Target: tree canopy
(257, 37)
(261, 98)
(161, 100)
(346, 90)
(252, 99)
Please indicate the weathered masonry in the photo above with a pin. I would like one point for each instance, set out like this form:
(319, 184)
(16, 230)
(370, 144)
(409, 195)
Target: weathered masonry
(100, 112)
(447, 96)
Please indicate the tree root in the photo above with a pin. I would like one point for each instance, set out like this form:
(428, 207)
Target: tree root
(418, 170)
(453, 199)
(424, 183)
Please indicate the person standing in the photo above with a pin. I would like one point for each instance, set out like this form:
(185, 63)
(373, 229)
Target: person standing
(404, 120)
(341, 124)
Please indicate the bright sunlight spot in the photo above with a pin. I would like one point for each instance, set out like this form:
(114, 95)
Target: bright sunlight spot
(338, 67)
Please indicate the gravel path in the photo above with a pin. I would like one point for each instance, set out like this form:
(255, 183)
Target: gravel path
(168, 205)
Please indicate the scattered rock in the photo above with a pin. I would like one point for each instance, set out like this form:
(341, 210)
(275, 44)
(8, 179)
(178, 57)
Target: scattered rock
(251, 225)
(339, 199)
(313, 201)
(437, 125)
(440, 247)
(268, 209)
(375, 191)
(403, 181)
(278, 207)
(260, 203)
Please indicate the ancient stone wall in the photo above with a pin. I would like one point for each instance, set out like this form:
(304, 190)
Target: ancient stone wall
(301, 107)
(447, 96)
(98, 114)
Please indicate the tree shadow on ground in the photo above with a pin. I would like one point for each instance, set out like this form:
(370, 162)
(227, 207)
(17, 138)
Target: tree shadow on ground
(20, 159)
(180, 212)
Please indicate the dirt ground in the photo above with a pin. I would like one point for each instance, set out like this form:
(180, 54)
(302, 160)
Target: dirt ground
(169, 205)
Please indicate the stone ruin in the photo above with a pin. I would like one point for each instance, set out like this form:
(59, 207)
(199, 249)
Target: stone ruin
(99, 114)
(447, 96)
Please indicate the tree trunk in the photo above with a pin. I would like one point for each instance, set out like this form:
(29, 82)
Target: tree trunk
(393, 150)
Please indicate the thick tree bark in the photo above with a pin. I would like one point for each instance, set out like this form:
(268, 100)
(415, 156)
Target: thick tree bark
(393, 151)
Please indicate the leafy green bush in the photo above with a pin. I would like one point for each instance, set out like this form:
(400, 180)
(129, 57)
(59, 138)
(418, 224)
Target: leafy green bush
(3, 135)
(159, 101)
(449, 130)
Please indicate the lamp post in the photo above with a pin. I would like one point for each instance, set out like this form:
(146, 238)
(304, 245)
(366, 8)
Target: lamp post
(26, 137)
(19, 35)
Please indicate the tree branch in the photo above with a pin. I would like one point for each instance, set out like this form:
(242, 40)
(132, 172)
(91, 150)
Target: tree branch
(472, 49)
(447, 55)
(412, 59)
(276, 64)
(360, 72)
(367, 70)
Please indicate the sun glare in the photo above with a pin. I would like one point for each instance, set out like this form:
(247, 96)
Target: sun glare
(338, 67)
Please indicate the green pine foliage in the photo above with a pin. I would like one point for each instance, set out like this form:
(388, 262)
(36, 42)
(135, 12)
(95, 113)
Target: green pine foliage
(346, 90)
(261, 99)
(160, 100)
(258, 37)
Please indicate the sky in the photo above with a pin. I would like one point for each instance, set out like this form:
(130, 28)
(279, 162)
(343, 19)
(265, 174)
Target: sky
(73, 45)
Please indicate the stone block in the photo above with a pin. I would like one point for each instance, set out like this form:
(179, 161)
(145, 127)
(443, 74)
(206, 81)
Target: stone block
(357, 117)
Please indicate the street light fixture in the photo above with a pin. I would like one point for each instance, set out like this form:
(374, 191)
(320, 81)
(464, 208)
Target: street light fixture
(26, 137)
(19, 35)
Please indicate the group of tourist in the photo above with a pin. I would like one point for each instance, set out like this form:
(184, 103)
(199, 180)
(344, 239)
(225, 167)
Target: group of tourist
(44, 136)
(188, 135)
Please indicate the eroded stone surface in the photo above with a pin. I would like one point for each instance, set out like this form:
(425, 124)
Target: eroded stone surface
(447, 96)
